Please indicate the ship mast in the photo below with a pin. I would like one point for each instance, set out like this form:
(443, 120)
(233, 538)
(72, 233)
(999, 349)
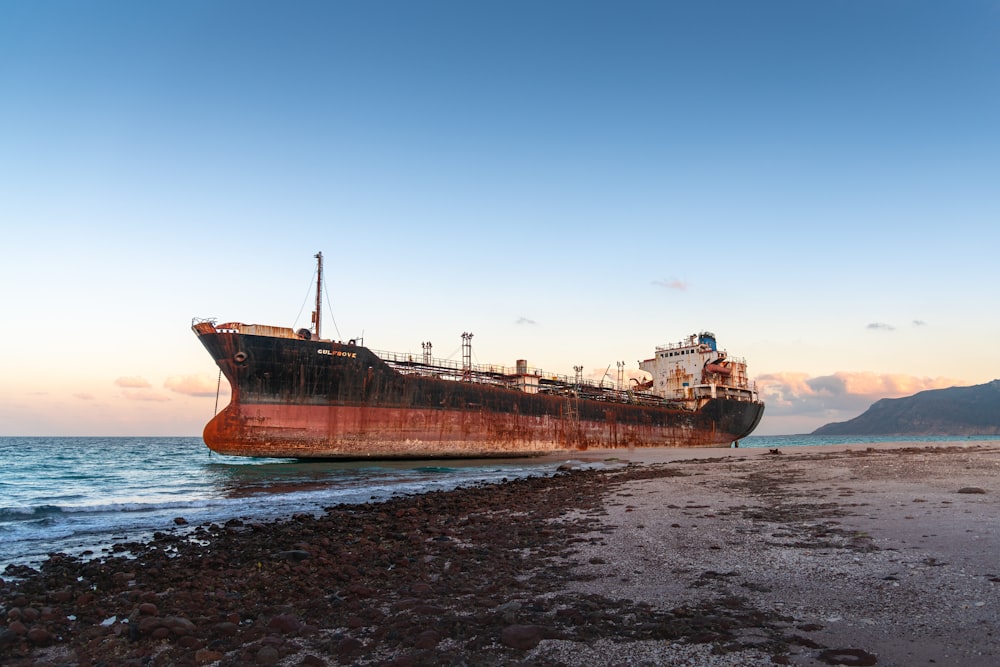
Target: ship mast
(319, 291)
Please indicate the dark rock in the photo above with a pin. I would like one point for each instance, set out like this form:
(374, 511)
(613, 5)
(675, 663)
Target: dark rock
(286, 624)
(428, 610)
(427, 639)
(348, 647)
(205, 656)
(179, 626)
(39, 636)
(850, 657)
(8, 638)
(180, 521)
(971, 489)
(267, 655)
(225, 629)
(523, 637)
(146, 625)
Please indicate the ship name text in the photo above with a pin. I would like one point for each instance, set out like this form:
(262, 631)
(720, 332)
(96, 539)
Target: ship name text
(339, 353)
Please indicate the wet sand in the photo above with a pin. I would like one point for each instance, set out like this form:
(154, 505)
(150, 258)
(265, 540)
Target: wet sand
(885, 555)
(854, 555)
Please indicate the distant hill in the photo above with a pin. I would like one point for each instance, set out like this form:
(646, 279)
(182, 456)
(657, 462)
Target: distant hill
(954, 411)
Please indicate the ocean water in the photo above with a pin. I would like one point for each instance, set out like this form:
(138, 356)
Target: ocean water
(82, 495)
(816, 440)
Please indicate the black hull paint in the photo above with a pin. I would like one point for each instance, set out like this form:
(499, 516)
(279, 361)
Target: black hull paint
(307, 398)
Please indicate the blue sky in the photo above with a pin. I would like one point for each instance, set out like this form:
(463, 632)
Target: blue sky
(574, 182)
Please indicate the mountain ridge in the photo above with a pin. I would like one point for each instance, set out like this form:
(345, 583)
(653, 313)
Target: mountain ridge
(973, 410)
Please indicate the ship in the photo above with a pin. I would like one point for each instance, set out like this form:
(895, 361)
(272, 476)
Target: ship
(295, 394)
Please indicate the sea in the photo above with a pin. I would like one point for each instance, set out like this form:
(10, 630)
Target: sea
(81, 496)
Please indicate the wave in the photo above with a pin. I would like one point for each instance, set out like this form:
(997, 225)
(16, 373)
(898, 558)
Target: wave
(298, 494)
(8, 514)
(28, 513)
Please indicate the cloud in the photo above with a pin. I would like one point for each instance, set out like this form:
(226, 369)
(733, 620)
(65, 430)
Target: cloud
(83, 396)
(133, 383)
(144, 395)
(673, 283)
(840, 396)
(192, 385)
(139, 389)
(525, 320)
(919, 323)
(881, 326)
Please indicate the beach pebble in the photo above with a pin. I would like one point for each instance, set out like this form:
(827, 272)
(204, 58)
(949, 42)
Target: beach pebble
(39, 636)
(205, 656)
(226, 629)
(348, 647)
(427, 639)
(523, 637)
(285, 624)
(63, 596)
(421, 589)
(267, 655)
(179, 625)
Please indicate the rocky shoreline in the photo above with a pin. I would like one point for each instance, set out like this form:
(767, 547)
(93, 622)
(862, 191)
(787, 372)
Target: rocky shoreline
(727, 559)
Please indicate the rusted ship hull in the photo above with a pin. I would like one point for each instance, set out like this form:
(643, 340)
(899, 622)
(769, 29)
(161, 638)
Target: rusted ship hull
(321, 399)
(352, 431)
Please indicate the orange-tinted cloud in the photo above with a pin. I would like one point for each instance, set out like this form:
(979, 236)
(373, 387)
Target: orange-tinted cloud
(83, 396)
(192, 385)
(840, 396)
(139, 389)
(133, 383)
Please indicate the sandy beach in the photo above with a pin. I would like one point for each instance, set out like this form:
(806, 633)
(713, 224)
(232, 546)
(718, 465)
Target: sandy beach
(853, 555)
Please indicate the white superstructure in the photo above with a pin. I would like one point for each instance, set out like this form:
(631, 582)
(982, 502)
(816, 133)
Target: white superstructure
(695, 368)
